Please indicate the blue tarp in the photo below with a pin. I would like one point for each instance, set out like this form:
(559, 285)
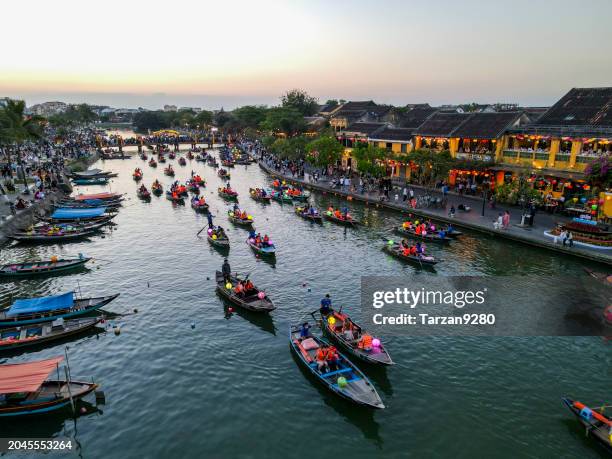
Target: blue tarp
(46, 303)
(66, 213)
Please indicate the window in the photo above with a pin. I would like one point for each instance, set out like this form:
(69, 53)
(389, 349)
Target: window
(404, 148)
(389, 146)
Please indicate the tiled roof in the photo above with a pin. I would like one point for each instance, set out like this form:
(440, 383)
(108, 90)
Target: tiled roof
(486, 125)
(415, 117)
(581, 107)
(393, 134)
(441, 124)
(368, 129)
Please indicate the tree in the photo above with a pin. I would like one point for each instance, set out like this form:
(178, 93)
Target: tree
(17, 128)
(429, 166)
(204, 118)
(332, 102)
(599, 172)
(222, 118)
(250, 116)
(301, 101)
(150, 120)
(369, 158)
(287, 120)
(324, 151)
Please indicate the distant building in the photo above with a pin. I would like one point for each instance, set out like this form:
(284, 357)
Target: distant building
(48, 108)
(193, 109)
(4, 101)
(170, 108)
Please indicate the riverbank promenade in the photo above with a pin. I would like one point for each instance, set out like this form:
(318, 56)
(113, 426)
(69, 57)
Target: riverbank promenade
(473, 220)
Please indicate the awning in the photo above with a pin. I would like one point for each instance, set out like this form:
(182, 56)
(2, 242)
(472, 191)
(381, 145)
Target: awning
(83, 197)
(46, 303)
(26, 377)
(69, 213)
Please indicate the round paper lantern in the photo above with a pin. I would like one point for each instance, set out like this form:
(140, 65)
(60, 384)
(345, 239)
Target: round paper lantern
(228, 285)
(261, 295)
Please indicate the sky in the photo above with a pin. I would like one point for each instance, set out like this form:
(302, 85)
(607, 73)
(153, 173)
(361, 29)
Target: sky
(212, 54)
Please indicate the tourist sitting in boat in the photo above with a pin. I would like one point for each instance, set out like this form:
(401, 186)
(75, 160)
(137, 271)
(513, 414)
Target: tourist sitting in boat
(321, 359)
(266, 241)
(142, 189)
(442, 234)
(331, 358)
(258, 240)
(248, 286)
(239, 289)
(365, 342)
(326, 305)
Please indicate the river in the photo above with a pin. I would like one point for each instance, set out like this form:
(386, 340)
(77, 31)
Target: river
(187, 378)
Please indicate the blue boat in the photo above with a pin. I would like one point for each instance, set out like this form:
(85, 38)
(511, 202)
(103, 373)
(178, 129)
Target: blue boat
(25, 389)
(49, 308)
(345, 380)
(69, 213)
(92, 181)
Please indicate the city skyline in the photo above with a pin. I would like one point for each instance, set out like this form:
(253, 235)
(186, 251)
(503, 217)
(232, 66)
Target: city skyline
(230, 55)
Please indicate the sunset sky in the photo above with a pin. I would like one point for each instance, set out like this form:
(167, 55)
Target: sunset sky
(211, 54)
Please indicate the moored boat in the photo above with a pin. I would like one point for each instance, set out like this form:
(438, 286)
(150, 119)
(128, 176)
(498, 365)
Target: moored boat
(90, 181)
(37, 334)
(50, 308)
(254, 300)
(345, 380)
(342, 219)
(25, 389)
(597, 424)
(103, 196)
(43, 267)
(52, 237)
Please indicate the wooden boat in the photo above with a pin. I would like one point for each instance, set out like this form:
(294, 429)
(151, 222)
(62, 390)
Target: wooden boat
(44, 267)
(157, 190)
(317, 217)
(137, 176)
(428, 237)
(169, 171)
(36, 334)
(182, 161)
(281, 197)
(269, 251)
(239, 221)
(143, 156)
(161, 159)
(201, 157)
(597, 425)
(103, 220)
(232, 196)
(227, 163)
(212, 162)
(335, 328)
(223, 174)
(397, 252)
(88, 204)
(218, 242)
(602, 277)
(172, 155)
(25, 389)
(202, 208)
(93, 173)
(44, 228)
(259, 197)
(346, 381)
(56, 238)
(350, 221)
(251, 301)
(92, 181)
(177, 200)
(152, 163)
(190, 155)
(106, 196)
(145, 194)
(299, 197)
(48, 309)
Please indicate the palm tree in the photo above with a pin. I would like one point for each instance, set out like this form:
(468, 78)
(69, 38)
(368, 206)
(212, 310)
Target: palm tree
(17, 128)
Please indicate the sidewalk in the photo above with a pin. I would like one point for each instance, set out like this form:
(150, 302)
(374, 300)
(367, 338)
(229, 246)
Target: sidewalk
(473, 220)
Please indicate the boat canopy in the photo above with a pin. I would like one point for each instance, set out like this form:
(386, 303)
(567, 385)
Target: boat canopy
(26, 377)
(69, 213)
(82, 197)
(45, 303)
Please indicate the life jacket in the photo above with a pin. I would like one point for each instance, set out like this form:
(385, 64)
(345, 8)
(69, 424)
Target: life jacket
(365, 342)
(321, 354)
(331, 354)
(266, 239)
(413, 250)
